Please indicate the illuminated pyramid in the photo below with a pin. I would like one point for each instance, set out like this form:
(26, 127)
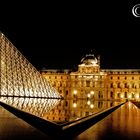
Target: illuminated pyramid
(18, 77)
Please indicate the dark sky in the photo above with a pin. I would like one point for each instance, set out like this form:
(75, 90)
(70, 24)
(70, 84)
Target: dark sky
(58, 35)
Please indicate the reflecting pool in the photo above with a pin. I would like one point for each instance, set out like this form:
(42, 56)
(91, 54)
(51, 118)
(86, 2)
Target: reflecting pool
(56, 110)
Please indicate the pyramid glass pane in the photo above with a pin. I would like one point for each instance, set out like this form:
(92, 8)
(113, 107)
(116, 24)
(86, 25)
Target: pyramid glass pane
(18, 77)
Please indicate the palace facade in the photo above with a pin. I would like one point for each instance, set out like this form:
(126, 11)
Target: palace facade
(92, 82)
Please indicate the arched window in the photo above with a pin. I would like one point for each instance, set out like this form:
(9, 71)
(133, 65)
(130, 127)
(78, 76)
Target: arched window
(119, 95)
(87, 83)
(136, 85)
(125, 85)
(111, 94)
(125, 95)
(133, 95)
(54, 84)
(129, 85)
(122, 85)
(66, 92)
(66, 103)
(133, 85)
(111, 85)
(119, 85)
(60, 84)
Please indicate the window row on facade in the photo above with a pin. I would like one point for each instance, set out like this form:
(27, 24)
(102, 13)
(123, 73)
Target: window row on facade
(125, 85)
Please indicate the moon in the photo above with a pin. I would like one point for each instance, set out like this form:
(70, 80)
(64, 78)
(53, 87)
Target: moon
(135, 10)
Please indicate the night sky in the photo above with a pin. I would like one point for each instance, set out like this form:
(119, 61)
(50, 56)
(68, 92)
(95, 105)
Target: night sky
(58, 35)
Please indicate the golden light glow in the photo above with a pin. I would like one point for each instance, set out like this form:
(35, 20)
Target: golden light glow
(2, 63)
(88, 95)
(130, 105)
(129, 96)
(75, 92)
(88, 102)
(74, 105)
(92, 92)
(122, 95)
(96, 78)
(91, 106)
(137, 96)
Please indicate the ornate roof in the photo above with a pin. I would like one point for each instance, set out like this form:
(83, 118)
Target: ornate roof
(89, 59)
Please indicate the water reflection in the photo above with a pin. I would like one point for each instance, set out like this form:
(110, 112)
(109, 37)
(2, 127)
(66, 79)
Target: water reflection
(59, 111)
(71, 110)
(35, 106)
(123, 124)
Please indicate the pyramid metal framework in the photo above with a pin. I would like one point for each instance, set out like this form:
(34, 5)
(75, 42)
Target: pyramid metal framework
(18, 77)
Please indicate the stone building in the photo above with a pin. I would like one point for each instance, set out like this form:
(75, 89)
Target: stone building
(122, 84)
(92, 82)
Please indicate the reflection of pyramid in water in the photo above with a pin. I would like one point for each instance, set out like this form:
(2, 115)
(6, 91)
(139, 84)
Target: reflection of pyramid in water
(35, 106)
(18, 77)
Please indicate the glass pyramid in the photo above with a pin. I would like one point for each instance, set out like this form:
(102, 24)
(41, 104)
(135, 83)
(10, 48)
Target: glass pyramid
(18, 77)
